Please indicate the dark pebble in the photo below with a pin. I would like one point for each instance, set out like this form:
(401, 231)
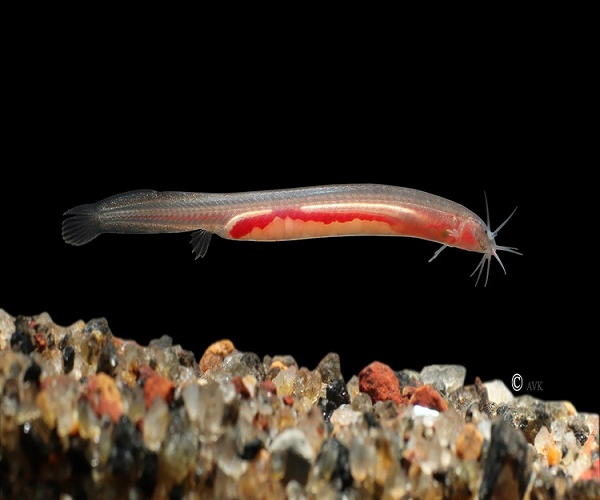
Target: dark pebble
(342, 470)
(341, 475)
(63, 342)
(187, 359)
(36, 447)
(439, 476)
(126, 448)
(297, 468)
(327, 407)
(22, 326)
(80, 493)
(68, 358)
(21, 342)
(508, 448)
(176, 492)
(177, 403)
(32, 374)
(107, 361)
(148, 473)
(337, 393)
(77, 456)
(251, 449)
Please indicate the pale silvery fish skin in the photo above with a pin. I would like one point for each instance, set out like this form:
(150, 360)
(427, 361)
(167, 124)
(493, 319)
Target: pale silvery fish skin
(286, 214)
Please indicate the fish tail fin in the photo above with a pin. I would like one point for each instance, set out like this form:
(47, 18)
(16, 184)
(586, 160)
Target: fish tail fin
(82, 224)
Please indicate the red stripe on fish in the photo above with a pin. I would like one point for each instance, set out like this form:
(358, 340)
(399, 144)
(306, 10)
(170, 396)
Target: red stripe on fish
(245, 226)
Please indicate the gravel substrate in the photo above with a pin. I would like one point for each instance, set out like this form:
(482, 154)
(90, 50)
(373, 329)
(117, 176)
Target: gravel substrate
(85, 414)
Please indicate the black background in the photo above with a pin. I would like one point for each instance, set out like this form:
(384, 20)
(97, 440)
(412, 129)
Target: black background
(109, 106)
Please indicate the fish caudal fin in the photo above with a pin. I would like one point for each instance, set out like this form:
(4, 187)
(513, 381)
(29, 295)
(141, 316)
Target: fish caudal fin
(81, 225)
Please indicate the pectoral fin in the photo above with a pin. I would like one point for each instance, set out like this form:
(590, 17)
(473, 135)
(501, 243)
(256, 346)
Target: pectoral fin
(200, 242)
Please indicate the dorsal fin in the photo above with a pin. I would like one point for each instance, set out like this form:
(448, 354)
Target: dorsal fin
(200, 242)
